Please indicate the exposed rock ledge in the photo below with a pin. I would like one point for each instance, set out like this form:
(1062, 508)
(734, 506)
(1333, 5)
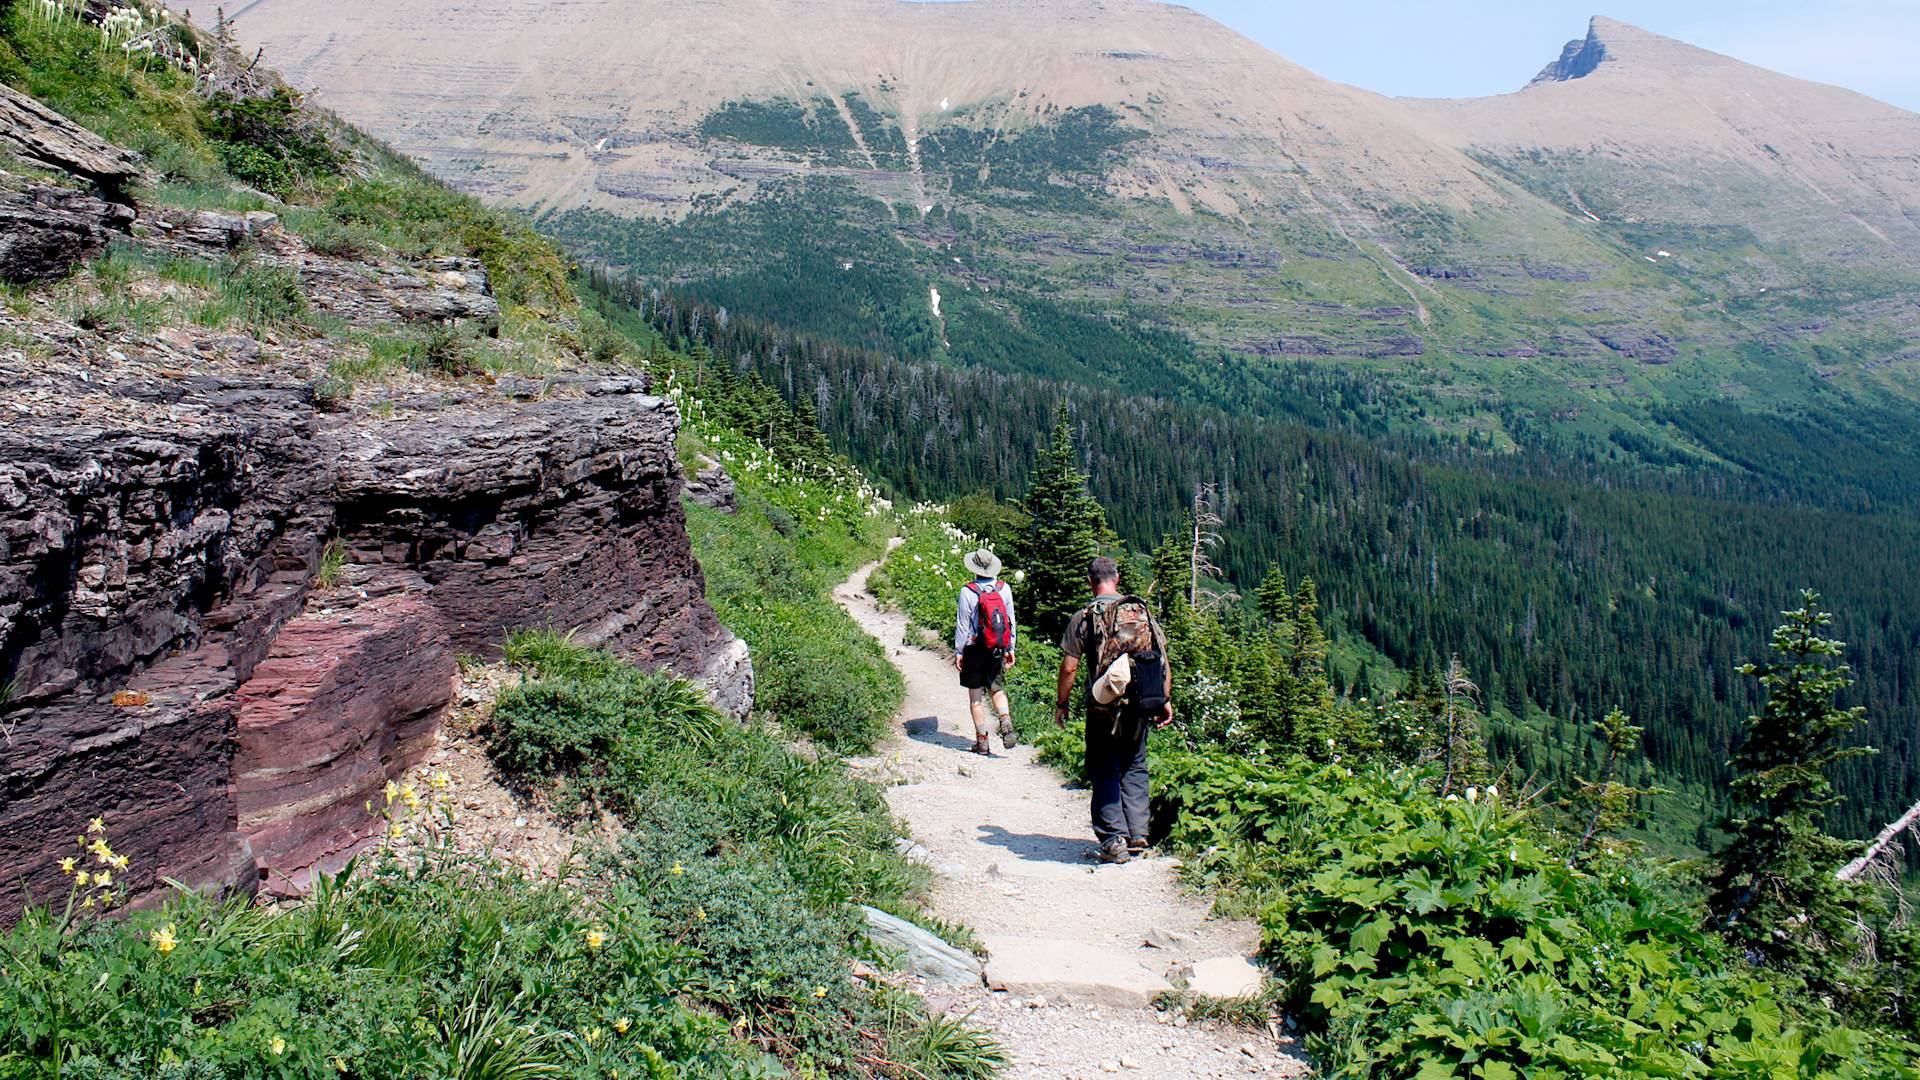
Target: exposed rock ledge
(174, 665)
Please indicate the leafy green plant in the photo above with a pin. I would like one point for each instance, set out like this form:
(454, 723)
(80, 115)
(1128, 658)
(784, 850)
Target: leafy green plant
(333, 564)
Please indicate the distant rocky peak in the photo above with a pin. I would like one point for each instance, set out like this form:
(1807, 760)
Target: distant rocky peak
(1578, 59)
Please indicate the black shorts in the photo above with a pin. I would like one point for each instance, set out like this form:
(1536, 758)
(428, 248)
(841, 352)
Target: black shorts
(980, 669)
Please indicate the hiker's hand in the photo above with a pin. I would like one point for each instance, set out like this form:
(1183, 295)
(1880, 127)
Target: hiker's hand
(1166, 716)
(1060, 717)
(1009, 660)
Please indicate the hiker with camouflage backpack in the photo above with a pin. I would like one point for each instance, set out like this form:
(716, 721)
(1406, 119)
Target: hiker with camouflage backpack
(983, 638)
(1129, 692)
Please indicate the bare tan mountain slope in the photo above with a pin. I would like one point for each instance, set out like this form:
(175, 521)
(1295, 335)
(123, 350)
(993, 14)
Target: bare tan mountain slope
(1646, 222)
(1665, 131)
(595, 102)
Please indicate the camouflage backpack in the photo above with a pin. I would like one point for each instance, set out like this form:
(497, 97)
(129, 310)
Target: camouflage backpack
(1125, 627)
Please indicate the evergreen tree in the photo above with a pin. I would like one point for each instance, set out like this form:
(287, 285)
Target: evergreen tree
(1309, 658)
(1064, 529)
(1169, 567)
(1609, 801)
(1275, 602)
(1774, 888)
(1308, 700)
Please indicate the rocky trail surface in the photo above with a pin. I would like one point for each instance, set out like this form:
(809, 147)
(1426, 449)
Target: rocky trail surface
(1077, 951)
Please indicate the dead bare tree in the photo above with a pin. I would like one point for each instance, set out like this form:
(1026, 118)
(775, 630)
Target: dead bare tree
(1880, 863)
(1204, 536)
(1457, 687)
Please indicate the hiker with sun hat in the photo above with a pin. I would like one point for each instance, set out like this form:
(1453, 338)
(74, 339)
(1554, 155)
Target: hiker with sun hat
(983, 639)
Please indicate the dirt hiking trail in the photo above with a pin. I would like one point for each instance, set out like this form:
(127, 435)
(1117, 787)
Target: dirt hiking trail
(1078, 949)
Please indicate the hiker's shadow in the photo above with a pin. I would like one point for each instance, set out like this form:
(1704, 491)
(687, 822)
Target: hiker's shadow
(1036, 847)
(926, 729)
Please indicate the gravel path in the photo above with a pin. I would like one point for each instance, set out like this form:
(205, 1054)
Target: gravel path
(1070, 961)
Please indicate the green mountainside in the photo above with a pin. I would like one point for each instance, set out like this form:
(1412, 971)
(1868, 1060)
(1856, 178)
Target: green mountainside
(1582, 382)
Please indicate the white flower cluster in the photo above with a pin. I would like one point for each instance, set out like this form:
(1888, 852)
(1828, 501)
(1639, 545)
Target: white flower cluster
(1212, 711)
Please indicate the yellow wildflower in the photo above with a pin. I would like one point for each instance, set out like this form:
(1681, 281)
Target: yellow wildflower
(676, 870)
(621, 1025)
(120, 862)
(700, 913)
(819, 991)
(66, 865)
(593, 1035)
(396, 830)
(87, 903)
(81, 879)
(163, 939)
(596, 937)
(339, 1064)
(97, 825)
(276, 1046)
(393, 792)
(103, 879)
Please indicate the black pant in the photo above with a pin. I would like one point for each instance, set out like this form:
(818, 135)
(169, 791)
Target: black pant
(1117, 769)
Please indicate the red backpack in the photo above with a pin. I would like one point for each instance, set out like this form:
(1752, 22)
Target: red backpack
(994, 622)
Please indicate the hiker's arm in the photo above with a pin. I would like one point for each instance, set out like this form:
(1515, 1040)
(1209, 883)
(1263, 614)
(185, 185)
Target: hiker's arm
(1166, 665)
(1013, 624)
(963, 620)
(1063, 688)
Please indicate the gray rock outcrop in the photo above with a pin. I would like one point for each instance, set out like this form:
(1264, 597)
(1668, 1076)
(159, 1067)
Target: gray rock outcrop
(926, 955)
(37, 134)
(46, 231)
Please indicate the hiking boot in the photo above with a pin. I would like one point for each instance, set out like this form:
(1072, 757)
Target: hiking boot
(1114, 850)
(1137, 845)
(981, 747)
(1009, 738)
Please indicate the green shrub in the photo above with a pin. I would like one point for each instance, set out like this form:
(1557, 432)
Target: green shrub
(1441, 937)
(429, 964)
(271, 142)
(747, 853)
(815, 671)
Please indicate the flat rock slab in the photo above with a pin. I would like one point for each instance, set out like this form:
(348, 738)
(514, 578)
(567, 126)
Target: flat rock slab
(1070, 971)
(1226, 977)
(926, 955)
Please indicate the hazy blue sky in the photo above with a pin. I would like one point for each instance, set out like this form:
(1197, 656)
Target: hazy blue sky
(1437, 48)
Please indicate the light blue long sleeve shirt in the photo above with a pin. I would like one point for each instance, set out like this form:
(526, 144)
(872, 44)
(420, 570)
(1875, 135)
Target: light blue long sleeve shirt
(966, 617)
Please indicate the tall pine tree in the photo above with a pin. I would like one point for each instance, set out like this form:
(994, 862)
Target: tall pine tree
(1064, 530)
(1774, 888)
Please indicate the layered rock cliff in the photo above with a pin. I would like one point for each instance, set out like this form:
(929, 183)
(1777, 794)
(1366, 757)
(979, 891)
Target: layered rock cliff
(230, 609)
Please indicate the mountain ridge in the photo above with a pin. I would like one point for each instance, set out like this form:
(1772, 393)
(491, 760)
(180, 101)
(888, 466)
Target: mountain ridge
(1587, 250)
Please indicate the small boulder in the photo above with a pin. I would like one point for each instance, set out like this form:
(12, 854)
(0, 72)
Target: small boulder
(1225, 977)
(926, 955)
(710, 486)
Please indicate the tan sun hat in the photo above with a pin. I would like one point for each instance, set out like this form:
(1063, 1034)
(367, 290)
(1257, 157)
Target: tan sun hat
(983, 563)
(1112, 684)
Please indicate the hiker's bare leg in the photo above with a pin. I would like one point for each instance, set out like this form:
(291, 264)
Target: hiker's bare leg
(977, 705)
(1000, 706)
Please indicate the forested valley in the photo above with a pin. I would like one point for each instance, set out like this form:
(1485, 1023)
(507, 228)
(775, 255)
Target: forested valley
(1567, 585)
